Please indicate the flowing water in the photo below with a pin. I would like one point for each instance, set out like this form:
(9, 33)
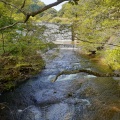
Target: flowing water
(72, 97)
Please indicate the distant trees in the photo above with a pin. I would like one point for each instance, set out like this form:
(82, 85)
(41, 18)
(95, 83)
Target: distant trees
(23, 10)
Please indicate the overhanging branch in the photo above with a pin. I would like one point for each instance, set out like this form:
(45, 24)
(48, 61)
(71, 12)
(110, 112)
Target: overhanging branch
(46, 7)
(9, 26)
(103, 43)
(23, 4)
(29, 13)
(12, 5)
(85, 71)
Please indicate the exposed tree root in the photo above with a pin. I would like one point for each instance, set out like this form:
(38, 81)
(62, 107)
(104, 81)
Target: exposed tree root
(85, 71)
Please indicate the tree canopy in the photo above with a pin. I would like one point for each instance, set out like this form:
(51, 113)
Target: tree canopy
(25, 9)
(96, 26)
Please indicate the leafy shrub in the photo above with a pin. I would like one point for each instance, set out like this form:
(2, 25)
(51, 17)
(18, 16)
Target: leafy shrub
(112, 58)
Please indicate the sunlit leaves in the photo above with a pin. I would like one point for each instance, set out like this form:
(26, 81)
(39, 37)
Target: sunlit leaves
(112, 58)
(110, 3)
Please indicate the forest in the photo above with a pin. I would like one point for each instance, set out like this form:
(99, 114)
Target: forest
(95, 25)
(60, 64)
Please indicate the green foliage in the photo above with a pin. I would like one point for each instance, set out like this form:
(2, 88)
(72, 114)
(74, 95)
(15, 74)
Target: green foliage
(48, 15)
(112, 58)
(36, 5)
(68, 11)
(19, 46)
(21, 58)
(94, 23)
(60, 20)
(5, 20)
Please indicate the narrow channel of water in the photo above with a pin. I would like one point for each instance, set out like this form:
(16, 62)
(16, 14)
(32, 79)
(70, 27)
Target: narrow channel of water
(71, 97)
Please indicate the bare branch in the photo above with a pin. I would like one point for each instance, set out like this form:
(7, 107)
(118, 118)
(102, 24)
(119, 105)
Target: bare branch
(46, 7)
(103, 43)
(31, 13)
(27, 17)
(23, 4)
(9, 26)
(67, 72)
(12, 5)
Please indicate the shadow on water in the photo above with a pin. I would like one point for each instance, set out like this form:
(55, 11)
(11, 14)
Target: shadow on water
(71, 97)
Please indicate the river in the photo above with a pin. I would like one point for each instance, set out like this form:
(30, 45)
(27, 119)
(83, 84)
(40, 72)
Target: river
(72, 97)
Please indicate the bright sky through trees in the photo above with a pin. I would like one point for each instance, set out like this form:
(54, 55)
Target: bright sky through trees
(58, 7)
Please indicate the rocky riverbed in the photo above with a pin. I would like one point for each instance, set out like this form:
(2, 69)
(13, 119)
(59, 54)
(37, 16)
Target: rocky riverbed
(72, 97)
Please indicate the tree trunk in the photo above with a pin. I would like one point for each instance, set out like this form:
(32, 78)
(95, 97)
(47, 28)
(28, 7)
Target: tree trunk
(3, 43)
(73, 34)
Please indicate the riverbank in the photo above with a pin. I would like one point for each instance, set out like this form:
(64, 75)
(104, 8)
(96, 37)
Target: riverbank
(106, 59)
(17, 67)
(15, 71)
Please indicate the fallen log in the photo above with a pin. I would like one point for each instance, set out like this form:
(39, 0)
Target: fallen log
(67, 72)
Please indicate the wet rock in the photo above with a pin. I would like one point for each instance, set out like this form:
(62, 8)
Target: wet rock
(84, 102)
(87, 89)
(71, 97)
(67, 77)
(60, 111)
(49, 71)
(31, 113)
(70, 94)
(48, 96)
